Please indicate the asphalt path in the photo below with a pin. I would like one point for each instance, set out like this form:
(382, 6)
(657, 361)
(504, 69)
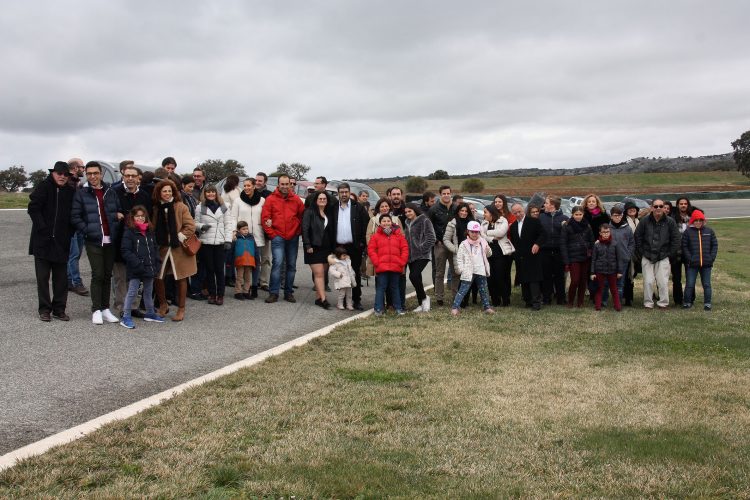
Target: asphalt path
(56, 375)
(715, 209)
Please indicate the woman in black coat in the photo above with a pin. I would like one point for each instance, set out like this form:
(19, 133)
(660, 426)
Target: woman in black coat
(318, 241)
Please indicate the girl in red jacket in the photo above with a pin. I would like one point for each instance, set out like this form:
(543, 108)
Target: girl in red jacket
(389, 253)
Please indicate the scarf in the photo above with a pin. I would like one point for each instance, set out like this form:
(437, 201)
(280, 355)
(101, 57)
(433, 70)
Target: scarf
(605, 241)
(596, 211)
(212, 205)
(387, 230)
(250, 200)
(166, 225)
(578, 227)
(142, 226)
(461, 227)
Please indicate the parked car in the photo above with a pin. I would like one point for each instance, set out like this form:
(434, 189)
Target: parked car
(111, 170)
(638, 202)
(575, 201)
(356, 187)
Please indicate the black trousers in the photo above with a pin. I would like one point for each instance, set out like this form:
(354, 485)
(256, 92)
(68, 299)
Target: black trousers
(676, 265)
(553, 271)
(532, 294)
(59, 271)
(212, 259)
(101, 260)
(499, 281)
(355, 254)
(415, 276)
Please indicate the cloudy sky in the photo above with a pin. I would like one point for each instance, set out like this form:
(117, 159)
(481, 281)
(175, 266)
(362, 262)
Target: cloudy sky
(372, 89)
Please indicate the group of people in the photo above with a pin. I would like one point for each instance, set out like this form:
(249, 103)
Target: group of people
(141, 234)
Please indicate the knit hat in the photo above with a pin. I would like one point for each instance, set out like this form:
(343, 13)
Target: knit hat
(473, 226)
(697, 215)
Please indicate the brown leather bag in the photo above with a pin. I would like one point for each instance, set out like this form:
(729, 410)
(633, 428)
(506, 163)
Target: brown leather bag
(191, 245)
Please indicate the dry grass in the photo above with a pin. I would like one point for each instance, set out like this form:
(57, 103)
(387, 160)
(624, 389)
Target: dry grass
(560, 403)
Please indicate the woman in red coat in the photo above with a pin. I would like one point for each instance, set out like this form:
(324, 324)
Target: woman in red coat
(389, 253)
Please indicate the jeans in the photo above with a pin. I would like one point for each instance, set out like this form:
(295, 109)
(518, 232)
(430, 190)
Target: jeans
(76, 249)
(148, 295)
(691, 275)
(415, 276)
(101, 260)
(281, 250)
(387, 281)
(465, 286)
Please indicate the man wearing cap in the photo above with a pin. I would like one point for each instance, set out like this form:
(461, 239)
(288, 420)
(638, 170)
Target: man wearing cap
(49, 208)
(656, 240)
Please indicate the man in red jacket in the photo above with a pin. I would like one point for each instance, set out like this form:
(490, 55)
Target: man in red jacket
(282, 222)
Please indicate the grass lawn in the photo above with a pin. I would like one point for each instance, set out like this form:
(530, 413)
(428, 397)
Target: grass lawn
(601, 184)
(14, 200)
(558, 403)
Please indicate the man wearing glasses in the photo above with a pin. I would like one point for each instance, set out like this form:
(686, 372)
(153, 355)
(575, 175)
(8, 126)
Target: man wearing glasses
(656, 240)
(75, 284)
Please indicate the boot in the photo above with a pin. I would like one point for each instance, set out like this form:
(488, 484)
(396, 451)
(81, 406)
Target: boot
(212, 299)
(181, 295)
(161, 294)
(254, 293)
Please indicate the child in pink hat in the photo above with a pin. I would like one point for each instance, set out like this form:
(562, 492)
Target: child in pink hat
(473, 266)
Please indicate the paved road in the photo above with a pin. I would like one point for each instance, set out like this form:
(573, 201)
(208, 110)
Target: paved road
(58, 375)
(724, 208)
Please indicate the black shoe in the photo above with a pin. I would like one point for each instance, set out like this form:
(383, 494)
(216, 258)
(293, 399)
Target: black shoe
(229, 283)
(272, 298)
(197, 296)
(239, 296)
(136, 313)
(247, 296)
(264, 288)
(61, 316)
(45, 316)
(358, 306)
(322, 303)
(290, 298)
(253, 293)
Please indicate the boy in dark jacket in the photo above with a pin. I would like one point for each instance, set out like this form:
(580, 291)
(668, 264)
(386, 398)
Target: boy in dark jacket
(699, 249)
(605, 266)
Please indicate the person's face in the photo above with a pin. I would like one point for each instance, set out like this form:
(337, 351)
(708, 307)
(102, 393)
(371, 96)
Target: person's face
(344, 194)
(578, 216)
(632, 213)
(211, 195)
(396, 196)
(534, 212)
(604, 233)
(284, 185)
(166, 193)
(245, 231)
(487, 215)
(499, 204)
(445, 196)
(363, 197)
(139, 217)
(188, 187)
(463, 212)
(698, 223)
(473, 208)
(385, 222)
(171, 167)
(130, 178)
(517, 212)
(591, 203)
(321, 200)
(474, 235)
(199, 177)
(616, 217)
(385, 208)
(260, 182)
(318, 184)
(60, 179)
(667, 209)
(293, 184)
(430, 202)
(458, 201)
(682, 206)
(94, 176)
(657, 207)
(248, 187)
(549, 207)
(410, 214)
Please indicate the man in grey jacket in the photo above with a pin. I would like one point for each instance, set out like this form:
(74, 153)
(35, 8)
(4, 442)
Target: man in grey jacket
(656, 239)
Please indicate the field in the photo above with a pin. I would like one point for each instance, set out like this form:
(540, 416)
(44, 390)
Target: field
(559, 403)
(14, 200)
(600, 184)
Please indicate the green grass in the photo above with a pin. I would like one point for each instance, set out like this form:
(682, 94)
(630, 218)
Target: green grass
(563, 403)
(14, 200)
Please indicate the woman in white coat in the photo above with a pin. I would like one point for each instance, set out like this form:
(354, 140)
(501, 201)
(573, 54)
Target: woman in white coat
(248, 208)
(214, 223)
(495, 232)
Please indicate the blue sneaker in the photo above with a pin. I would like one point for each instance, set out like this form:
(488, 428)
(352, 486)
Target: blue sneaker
(152, 316)
(127, 322)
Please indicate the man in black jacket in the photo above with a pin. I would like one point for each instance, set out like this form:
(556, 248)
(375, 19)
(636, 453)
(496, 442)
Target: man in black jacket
(49, 208)
(553, 268)
(527, 236)
(439, 215)
(656, 240)
(351, 227)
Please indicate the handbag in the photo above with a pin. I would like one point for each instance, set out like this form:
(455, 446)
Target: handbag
(191, 245)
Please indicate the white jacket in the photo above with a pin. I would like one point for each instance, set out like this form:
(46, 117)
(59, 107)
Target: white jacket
(220, 221)
(251, 215)
(499, 233)
(464, 262)
(341, 273)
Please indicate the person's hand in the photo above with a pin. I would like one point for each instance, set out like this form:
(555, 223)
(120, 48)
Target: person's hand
(206, 228)
(227, 246)
(534, 249)
(619, 275)
(567, 269)
(268, 223)
(309, 250)
(181, 237)
(120, 216)
(593, 277)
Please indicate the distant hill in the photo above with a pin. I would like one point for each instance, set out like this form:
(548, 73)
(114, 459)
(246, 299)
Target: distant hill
(634, 166)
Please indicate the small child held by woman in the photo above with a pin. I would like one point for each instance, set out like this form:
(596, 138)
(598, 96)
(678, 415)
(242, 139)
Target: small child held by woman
(473, 265)
(605, 266)
(244, 262)
(341, 274)
(142, 264)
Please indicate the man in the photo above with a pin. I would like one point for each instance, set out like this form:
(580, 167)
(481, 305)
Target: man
(457, 200)
(527, 236)
(170, 164)
(397, 203)
(319, 184)
(351, 229)
(160, 174)
(199, 176)
(130, 195)
(428, 200)
(656, 240)
(97, 214)
(681, 216)
(261, 180)
(553, 267)
(75, 283)
(439, 215)
(49, 208)
(282, 222)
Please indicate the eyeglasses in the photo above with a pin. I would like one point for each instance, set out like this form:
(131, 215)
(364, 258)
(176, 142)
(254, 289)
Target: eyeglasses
(658, 206)
(93, 173)
(130, 176)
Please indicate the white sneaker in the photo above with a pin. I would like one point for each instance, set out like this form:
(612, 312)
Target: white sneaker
(96, 318)
(109, 317)
(418, 309)
(426, 304)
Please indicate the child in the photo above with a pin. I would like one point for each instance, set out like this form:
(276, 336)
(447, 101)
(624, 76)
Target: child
(605, 266)
(341, 274)
(623, 237)
(699, 248)
(576, 242)
(142, 263)
(473, 267)
(389, 253)
(244, 261)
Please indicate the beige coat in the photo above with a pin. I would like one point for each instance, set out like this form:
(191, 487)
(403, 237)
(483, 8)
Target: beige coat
(174, 260)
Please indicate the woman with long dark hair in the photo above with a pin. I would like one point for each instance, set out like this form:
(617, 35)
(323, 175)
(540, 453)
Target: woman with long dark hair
(495, 230)
(455, 233)
(421, 238)
(318, 240)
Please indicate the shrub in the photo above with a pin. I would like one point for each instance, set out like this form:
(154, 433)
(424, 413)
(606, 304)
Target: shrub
(416, 185)
(472, 186)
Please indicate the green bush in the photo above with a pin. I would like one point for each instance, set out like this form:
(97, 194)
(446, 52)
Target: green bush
(416, 185)
(472, 186)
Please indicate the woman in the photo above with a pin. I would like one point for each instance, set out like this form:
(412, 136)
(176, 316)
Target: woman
(596, 215)
(421, 238)
(172, 225)
(248, 208)
(318, 241)
(383, 206)
(495, 231)
(501, 204)
(455, 233)
(214, 222)
(232, 191)
(186, 190)
(532, 211)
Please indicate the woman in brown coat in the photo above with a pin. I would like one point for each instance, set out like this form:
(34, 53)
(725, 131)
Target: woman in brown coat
(172, 224)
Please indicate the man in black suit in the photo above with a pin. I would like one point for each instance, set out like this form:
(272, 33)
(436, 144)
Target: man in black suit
(527, 236)
(351, 220)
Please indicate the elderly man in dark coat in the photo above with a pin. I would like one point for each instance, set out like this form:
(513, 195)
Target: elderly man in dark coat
(49, 208)
(528, 236)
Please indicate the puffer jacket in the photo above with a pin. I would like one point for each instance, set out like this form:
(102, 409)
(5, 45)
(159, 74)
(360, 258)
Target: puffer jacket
(575, 247)
(388, 253)
(465, 263)
(85, 214)
(285, 214)
(439, 215)
(372, 228)
(221, 223)
(552, 224)
(421, 237)
(252, 214)
(605, 258)
(623, 237)
(657, 240)
(699, 247)
(140, 253)
(341, 273)
(500, 231)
